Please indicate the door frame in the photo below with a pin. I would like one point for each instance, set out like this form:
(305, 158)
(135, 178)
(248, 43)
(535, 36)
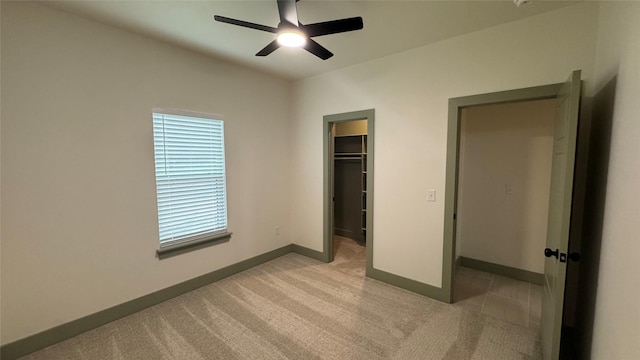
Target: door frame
(453, 151)
(328, 122)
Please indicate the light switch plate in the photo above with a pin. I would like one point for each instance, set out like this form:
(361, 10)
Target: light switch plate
(508, 189)
(431, 195)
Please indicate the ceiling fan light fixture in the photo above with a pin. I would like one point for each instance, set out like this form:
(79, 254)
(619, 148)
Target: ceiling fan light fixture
(291, 33)
(290, 38)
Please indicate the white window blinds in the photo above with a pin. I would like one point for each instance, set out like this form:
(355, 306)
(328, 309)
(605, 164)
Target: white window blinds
(190, 177)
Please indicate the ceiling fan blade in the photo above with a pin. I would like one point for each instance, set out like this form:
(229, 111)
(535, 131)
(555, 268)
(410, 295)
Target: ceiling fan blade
(245, 24)
(317, 50)
(269, 48)
(288, 11)
(333, 27)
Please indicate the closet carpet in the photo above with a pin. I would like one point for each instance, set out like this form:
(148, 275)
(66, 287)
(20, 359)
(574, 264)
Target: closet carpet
(295, 307)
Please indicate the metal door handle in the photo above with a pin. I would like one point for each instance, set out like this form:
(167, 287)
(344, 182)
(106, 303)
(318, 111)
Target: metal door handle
(574, 256)
(549, 253)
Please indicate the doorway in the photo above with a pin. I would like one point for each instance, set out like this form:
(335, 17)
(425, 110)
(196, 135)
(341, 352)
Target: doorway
(504, 172)
(348, 181)
(456, 107)
(556, 253)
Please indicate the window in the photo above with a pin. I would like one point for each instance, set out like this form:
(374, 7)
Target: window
(190, 179)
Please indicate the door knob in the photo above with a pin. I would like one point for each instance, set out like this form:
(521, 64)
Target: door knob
(549, 253)
(574, 256)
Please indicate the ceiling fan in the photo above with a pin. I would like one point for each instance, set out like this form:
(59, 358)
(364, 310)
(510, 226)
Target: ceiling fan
(292, 33)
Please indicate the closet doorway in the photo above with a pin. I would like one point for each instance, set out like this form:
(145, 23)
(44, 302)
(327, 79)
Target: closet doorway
(348, 180)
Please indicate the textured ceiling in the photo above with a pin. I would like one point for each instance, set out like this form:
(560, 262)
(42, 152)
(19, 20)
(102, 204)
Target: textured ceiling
(389, 26)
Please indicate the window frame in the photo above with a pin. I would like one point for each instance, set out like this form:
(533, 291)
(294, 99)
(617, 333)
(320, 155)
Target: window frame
(175, 247)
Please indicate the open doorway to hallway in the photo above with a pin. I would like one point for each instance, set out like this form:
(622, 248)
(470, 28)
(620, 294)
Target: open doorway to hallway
(504, 174)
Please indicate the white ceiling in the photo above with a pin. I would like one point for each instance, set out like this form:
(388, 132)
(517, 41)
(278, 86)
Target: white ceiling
(390, 26)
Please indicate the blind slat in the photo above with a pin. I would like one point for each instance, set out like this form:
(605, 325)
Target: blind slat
(190, 176)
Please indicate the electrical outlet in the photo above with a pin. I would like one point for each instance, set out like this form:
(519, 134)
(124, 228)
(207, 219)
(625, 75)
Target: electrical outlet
(276, 230)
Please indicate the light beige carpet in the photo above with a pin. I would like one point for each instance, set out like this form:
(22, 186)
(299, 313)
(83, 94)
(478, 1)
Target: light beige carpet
(294, 307)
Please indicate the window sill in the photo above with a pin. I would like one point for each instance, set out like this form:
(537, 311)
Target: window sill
(187, 246)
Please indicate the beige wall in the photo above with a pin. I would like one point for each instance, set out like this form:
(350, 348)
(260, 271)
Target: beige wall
(617, 314)
(506, 145)
(78, 205)
(409, 92)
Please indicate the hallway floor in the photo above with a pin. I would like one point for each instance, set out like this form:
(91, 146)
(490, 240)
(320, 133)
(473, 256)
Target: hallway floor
(513, 301)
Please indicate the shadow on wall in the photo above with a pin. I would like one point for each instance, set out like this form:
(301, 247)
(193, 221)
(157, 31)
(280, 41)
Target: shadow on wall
(592, 165)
